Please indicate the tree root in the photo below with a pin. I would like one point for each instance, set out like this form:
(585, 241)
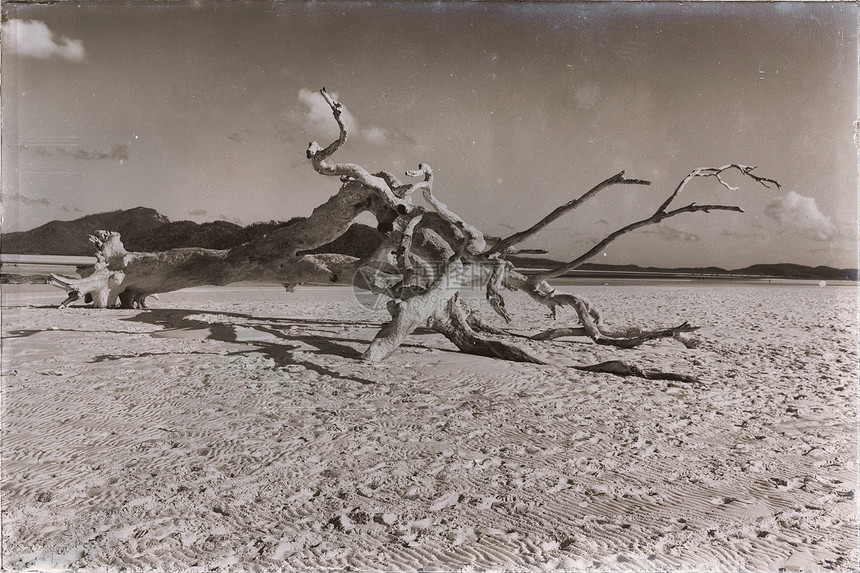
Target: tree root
(620, 368)
(453, 323)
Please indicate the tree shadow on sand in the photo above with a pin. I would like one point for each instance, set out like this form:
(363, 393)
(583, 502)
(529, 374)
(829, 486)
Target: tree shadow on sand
(112, 357)
(275, 330)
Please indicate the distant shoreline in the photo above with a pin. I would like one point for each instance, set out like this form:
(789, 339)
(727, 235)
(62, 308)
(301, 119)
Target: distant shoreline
(36, 269)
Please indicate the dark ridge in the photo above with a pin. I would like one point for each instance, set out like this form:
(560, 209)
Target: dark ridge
(145, 229)
(779, 270)
(70, 237)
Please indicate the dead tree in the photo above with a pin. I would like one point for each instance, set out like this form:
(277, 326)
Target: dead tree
(429, 252)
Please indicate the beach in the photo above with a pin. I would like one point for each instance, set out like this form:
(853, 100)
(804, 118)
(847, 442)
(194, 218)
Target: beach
(236, 428)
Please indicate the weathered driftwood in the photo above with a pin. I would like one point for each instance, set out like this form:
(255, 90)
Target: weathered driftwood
(428, 253)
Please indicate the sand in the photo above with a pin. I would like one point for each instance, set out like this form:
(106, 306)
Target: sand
(235, 429)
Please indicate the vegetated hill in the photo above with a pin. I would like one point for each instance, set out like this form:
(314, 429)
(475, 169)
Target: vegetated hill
(792, 271)
(359, 241)
(144, 229)
(214, 235)
(70, 237)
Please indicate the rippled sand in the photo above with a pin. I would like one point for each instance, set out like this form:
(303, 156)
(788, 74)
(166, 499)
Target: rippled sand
(237, 428)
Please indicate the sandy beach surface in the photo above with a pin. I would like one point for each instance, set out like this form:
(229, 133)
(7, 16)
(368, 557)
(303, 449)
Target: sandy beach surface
(236, 429)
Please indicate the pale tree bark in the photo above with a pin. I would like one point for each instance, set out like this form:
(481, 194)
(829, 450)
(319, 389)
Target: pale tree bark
(428, 253)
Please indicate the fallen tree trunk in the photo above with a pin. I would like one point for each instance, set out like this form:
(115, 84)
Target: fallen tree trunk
(427, 254)
(129, 277)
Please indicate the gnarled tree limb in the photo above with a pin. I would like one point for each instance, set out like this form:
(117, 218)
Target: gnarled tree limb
(427, 254)
(660, 214)
(503, 245)
(620, 368)
(453, 323)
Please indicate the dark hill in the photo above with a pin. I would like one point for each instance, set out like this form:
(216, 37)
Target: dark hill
(70, 237)
(214, 235)
(792, 271)
(358, 241)
(145, 229)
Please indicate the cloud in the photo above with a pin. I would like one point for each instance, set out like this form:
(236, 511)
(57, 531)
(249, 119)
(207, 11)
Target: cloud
(317, 115)
(117, 152)
(197, 213)
(670, 234)
(34, 205)
(802, 214)
(375, 135)
(317, 118)
(23, 199)
(34, 39)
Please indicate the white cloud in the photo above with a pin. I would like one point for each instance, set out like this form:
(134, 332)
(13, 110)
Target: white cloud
(801, 213)
(23, 199)
(318, 119)
(375, 135)
(34, 39)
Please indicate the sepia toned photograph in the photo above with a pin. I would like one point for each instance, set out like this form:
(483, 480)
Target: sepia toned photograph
(412, 286)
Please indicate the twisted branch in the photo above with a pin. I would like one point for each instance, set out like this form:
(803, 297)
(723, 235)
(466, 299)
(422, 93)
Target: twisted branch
(474, 239)
(435, 241)
(660, 214)
(454, 324)
(716, 172)
(503, 245)
(318, 156)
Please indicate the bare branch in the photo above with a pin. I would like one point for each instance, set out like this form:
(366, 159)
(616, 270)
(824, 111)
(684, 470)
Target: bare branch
(337, 111)
(414, 239)
(653, 219)
(399, 188)
(589, 317)
(504, 244)
(717, 172)
(660, 214)
(453, 323)
(102, 285)
(476, 321)
(404, 256)
(474, 239)
(554, 333)
(494, 285)
(346, 171)
(407, 315)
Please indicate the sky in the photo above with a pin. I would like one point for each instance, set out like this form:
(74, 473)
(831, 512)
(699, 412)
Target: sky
(203, 111)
